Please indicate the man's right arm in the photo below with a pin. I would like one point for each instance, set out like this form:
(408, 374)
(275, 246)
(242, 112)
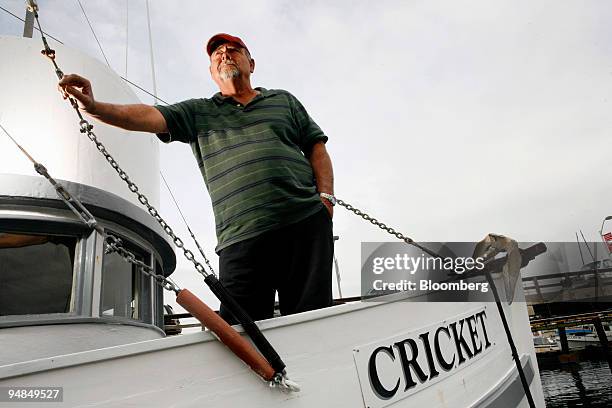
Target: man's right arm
(137, 117)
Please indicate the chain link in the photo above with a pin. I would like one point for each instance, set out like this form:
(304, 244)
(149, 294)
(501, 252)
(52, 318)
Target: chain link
(384, 227)
(113, 244)
(210, 268)
(374, 221)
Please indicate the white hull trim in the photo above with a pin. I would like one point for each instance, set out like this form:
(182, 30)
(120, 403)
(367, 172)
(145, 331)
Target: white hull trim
(195, 370)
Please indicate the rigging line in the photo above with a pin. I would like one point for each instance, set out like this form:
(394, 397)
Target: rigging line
(173, 198)
(193, 237)
(37, 29)
(94, 33)
(18, 145)
(144, 90)
(74, 205)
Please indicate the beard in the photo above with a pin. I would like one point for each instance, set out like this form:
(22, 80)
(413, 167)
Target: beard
(228, 71)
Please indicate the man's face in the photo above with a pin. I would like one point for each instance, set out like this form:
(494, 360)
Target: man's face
(229, 61)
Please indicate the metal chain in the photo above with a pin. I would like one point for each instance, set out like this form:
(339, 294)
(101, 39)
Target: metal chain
(212, 271)
(87, 128)
(386, 228)
(114, 244)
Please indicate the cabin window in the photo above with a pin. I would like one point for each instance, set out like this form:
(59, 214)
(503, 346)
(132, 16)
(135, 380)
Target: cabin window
(36, 273)
(126, 291)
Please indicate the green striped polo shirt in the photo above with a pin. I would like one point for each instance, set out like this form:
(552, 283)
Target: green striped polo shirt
(251, 158)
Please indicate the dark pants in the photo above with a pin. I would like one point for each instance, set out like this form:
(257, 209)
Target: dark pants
(295, 260)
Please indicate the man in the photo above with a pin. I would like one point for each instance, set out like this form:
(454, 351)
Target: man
(269, 176)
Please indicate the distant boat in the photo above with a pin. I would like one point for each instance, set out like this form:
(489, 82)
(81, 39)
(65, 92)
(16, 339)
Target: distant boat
(585, 336)
(545, 344)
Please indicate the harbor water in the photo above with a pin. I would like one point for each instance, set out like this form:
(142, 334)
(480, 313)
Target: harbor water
(583, 384)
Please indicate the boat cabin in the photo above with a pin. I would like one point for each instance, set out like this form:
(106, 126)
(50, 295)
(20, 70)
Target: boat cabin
(54, 271)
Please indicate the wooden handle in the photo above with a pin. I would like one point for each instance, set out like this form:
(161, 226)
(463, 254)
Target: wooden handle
(228, 336)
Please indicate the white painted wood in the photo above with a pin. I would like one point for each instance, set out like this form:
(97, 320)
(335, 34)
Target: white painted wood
(196, 370)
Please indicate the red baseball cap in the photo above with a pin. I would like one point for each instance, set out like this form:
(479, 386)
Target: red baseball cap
(218, 39)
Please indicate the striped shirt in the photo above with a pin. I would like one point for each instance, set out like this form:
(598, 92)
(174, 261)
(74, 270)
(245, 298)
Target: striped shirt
(251, 158)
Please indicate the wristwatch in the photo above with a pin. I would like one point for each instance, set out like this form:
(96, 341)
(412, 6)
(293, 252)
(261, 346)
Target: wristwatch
(329, 197)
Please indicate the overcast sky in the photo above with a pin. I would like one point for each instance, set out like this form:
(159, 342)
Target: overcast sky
(446, 119)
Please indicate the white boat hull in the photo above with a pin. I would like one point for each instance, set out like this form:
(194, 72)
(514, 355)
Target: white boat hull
(195, 370)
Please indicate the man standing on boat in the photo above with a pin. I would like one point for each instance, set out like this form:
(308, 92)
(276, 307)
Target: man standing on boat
(268, 174)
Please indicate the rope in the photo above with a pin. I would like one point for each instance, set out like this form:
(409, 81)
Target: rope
(93, 32)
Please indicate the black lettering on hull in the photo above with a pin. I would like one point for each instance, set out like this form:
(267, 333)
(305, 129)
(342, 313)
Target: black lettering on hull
(412, 362)
(377, 386)
(447, 340)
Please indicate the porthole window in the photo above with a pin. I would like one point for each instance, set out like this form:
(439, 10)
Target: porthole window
(36, 273)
